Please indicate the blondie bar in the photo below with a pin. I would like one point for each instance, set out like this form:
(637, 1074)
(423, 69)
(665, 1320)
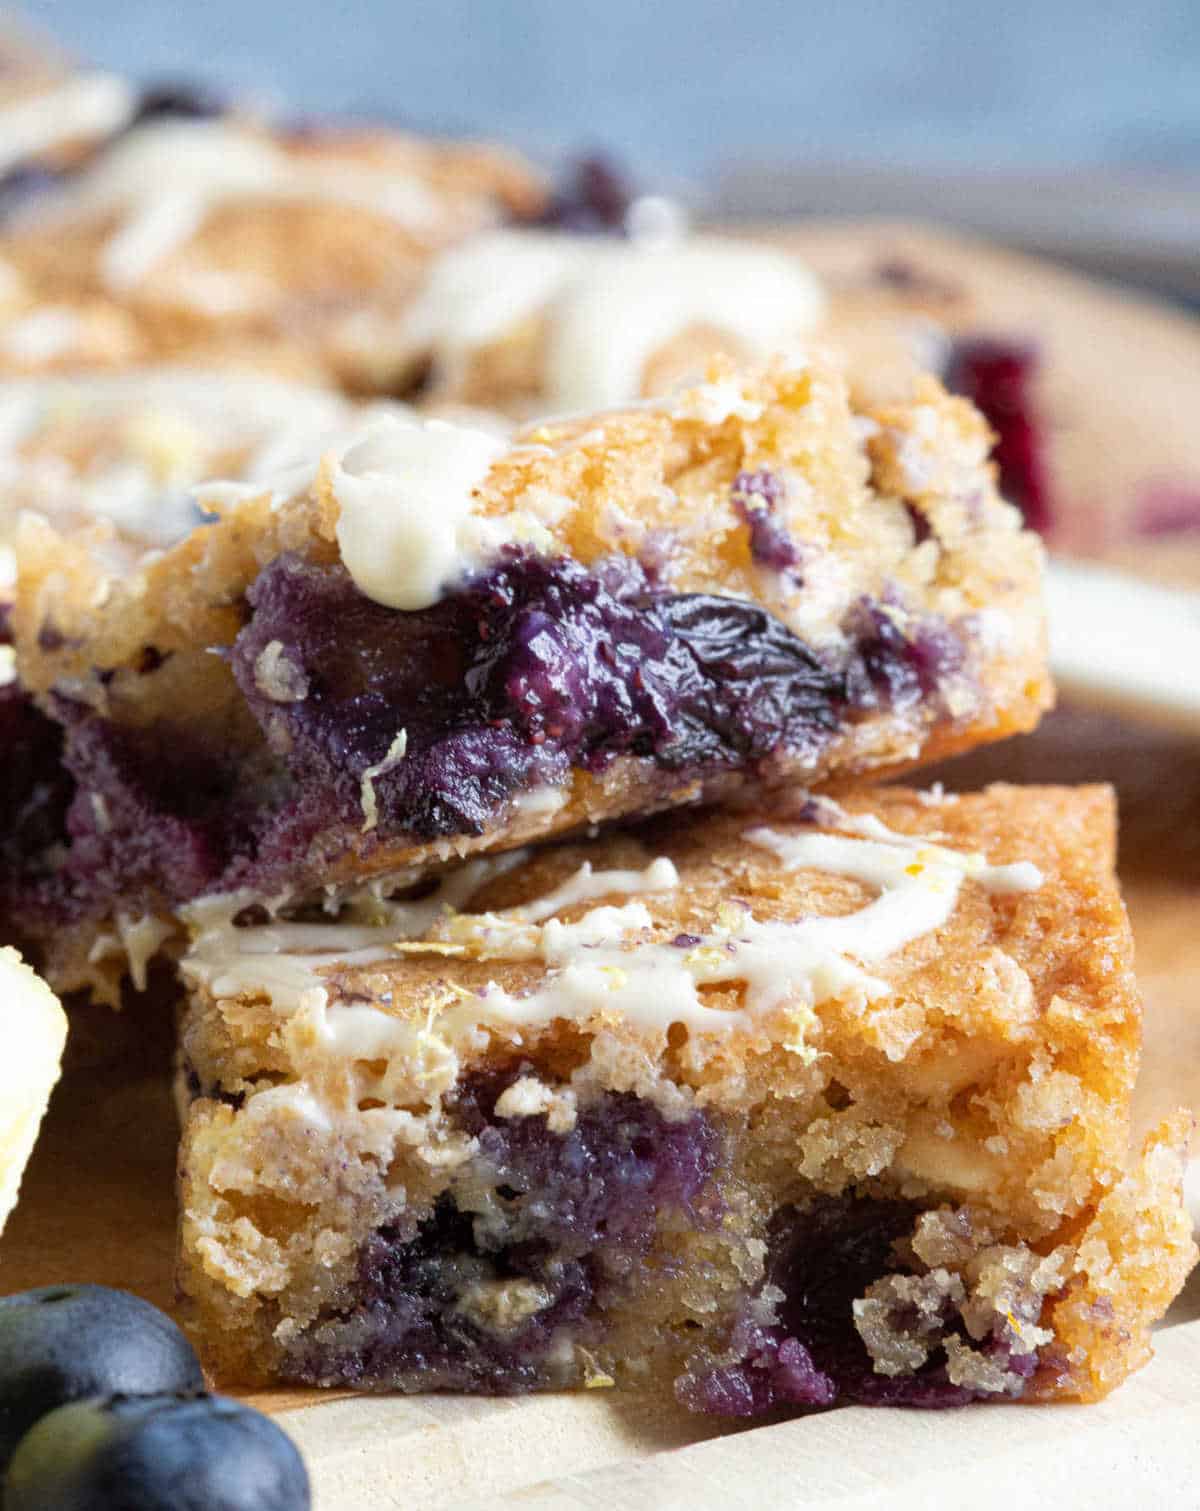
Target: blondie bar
(813, 1103)
(192, 231)
(433, 642)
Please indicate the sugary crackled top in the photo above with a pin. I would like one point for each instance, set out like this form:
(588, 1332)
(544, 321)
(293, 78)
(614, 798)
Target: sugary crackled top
(908, 945)
(220, 216)
(34, 1030)
(898, 500)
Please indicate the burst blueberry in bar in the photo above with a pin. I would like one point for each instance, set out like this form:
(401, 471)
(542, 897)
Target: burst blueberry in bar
(823, 1102)
(435, 643)
(112, 458)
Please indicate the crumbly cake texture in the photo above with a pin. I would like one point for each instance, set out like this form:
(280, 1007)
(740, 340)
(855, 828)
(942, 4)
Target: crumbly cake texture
(518, 321)
(35, 1031)
(193, 231)
(822, 1102)
(432, 644)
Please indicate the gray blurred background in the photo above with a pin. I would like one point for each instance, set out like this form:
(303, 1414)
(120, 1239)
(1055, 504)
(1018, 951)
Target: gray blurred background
(1060, 124)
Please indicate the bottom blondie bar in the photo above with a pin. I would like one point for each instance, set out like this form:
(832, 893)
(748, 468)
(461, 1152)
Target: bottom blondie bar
(811, 1104)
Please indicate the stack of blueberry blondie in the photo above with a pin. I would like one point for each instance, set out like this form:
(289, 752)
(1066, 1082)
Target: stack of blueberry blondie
(463, 629)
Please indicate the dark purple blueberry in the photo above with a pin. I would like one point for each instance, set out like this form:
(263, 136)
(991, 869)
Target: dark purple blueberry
(576, 1213)
(535, 668)
(538, 666)
(169, 814)
(595, 197)
(774, 1371)
(64, 1342)
(162, 1452)
(36, 791)
(894, 665)
(998, 377)
(170, 99)
(756, 498)
(822, 1257)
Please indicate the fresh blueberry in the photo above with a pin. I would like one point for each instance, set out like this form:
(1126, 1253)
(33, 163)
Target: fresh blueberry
(156, 1453)
(64, 1342)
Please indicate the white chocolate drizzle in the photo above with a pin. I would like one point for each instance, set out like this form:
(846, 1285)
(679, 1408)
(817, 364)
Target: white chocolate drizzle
(586, 885)
(605, 967)
(86, 106)
(609, 305)
(164, 179)
(395, 754)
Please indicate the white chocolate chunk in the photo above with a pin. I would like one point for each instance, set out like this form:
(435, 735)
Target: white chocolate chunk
(33, 1029)
(405, 492)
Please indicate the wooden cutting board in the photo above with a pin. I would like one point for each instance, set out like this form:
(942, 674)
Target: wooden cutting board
(98, 1206)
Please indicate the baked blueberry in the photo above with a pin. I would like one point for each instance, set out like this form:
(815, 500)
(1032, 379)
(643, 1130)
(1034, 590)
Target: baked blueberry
(596, 197)
(170, 99)
(63, 1342)
(156, 1453)
(998, 377)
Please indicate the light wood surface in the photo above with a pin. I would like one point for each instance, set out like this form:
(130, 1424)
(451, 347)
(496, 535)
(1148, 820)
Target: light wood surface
(98, 1206)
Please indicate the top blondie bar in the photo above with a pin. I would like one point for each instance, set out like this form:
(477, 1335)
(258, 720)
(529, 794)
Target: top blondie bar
(192, 230)
(433, 641)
